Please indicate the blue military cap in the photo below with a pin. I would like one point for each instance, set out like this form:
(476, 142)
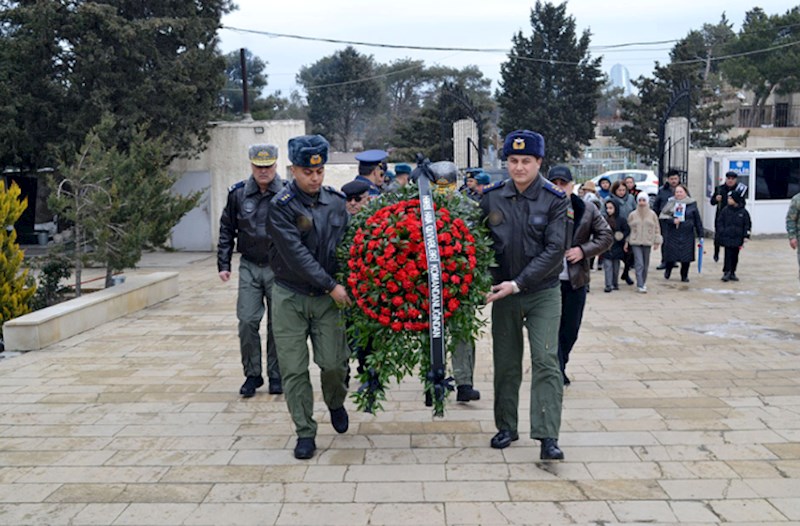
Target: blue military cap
(308, 151)
(523, 142)
(388, 176)
(372, 156)
(402, 169)
(482, 178)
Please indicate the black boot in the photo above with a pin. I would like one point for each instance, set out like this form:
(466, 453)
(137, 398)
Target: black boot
(667, 271)
(275, 386)
(550, 450)
(467, 394)
(726, 276)
(305, 448)
(250, 385)
(733, 277)
(339, 419)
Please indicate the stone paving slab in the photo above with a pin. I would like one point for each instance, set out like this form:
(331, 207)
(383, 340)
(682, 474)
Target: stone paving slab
(684, 408)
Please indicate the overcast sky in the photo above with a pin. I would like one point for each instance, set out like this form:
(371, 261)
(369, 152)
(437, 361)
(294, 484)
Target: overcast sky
(463, 23)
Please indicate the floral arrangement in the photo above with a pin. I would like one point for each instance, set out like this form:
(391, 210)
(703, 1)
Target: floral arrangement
(385, 271)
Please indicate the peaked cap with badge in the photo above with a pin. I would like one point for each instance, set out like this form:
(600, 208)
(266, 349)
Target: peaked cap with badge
(308, 151)
(263, 154)
(523, 142)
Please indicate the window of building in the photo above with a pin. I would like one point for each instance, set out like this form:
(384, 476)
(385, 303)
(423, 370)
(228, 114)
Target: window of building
(777, 178)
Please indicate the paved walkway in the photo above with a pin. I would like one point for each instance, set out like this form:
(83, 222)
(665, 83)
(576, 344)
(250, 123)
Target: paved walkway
(684, 407)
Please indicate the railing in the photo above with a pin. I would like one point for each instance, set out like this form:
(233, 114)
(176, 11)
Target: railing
(777, 116)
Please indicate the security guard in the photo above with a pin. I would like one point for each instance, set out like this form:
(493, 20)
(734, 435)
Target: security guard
(371, 167)
(528, 223)
(307, 221)
(244, 222)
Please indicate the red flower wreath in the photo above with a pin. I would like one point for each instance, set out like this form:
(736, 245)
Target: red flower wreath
(388, 266)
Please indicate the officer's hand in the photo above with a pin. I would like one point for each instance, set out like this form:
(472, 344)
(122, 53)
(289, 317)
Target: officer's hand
(339, 295)
(574, 254)
(719, 198)
(500, 291)
(793, 243)
(225, 275)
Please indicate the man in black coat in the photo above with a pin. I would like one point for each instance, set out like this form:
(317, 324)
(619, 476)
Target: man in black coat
(720, 200)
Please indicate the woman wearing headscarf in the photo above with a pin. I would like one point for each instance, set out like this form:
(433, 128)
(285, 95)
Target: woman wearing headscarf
(645, 234)
(683, 225)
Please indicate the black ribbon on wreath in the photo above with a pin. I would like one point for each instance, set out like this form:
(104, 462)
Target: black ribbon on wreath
(437, 379)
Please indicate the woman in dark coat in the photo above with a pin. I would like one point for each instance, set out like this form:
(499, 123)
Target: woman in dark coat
(612, 257)
(683, 225)
(733, 226)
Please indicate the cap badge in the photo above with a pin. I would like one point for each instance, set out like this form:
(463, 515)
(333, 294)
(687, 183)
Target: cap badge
(315, 159)
(519, 144)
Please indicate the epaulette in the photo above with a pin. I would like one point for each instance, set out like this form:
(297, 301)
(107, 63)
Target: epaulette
(494, 186)
(285, 198)
(235, 186)
(335, 191)
(553, 189)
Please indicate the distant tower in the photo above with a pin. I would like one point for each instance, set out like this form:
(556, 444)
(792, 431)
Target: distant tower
(620, 78)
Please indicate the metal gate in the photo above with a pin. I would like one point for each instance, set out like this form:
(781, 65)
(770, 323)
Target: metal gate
(674, 134)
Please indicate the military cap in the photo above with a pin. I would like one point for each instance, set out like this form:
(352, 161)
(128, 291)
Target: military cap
(482, 178)
(523, 142)
(388, 176)
(402, 169)
(560, 172)
(374, 157)
(263, 154)
(354, 188)
(444, 172)
(308, 151)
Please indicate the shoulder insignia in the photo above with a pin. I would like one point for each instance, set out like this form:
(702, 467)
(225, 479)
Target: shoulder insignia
(335, 191)
(494, 186)
(553, 189)
(235, 186)
(285, 198)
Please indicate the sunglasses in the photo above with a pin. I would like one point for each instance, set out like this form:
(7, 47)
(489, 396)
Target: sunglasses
(356, 198)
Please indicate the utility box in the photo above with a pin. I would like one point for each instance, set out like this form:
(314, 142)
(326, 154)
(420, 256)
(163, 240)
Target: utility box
(772, 179)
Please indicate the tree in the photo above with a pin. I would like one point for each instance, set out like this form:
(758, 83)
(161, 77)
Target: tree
(276, 106)
(342, 92)
(144, 62)
(14, 293)
(692, 61)
(758, 70)
(550, 83)
(256, 81)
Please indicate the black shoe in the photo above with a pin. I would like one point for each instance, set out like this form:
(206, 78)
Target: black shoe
(503, 439)
(685, 279)
(716, 258)
(305, 448)
(250, 385)
(662, 266)
(275, 386)
(667, 272)
(339, 419)
(628, 280)
(550, 450)
(467, 394)
(726, 276)
(615, 287)
(607, 289)
(566, 380)
(733, 277)
(428, 399)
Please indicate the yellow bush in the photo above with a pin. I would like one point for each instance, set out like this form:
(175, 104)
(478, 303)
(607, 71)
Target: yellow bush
(14, 295)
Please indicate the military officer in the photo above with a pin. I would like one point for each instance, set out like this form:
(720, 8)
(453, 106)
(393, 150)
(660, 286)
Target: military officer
(527, 218)
(244, 222)
(401, 176)
(371, 167)
(306, 221)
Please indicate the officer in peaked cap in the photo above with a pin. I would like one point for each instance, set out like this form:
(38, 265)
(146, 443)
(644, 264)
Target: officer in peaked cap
(528, 224)
(243, 224)
(371, 167)
(307, 221)
(470, 187)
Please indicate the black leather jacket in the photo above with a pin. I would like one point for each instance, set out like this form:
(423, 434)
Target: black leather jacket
(530, 232)
(305, 231)
(244, 222)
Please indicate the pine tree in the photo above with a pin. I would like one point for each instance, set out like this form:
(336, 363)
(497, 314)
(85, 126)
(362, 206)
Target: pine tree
(14, 293)
(550, 84)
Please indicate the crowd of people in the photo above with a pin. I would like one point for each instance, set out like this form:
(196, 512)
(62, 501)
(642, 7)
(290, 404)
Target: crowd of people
(545, 238)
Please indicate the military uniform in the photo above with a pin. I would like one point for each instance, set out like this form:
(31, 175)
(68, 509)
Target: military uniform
(529, 232)
(306, 230)
(793, 222)
(243, 224)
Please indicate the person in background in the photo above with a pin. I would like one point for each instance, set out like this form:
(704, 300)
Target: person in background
(371, 167)
(645, 233)
(402, 173)
(590, 194)
(590, 237)
(605, 188)
(665, 194)
(793, 224)
(470, 184)
(630, 185)
(615, 253)
(734, 227)
(719, 199)
(482, 180)
(307, 221)
(680, 232)
(625, 205)
(243, 222)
